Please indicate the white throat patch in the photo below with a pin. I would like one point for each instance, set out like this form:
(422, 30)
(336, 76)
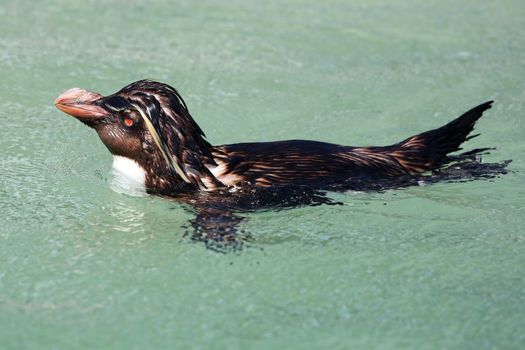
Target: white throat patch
(128, 176)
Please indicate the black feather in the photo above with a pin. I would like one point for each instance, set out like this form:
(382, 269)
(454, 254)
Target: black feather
(430, 149)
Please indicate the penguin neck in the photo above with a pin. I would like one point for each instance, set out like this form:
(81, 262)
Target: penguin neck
(128, 176)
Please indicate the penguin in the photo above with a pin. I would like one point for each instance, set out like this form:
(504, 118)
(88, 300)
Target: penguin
(156, 143)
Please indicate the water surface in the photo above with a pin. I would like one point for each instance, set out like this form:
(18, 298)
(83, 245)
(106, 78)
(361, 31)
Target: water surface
(438, 266)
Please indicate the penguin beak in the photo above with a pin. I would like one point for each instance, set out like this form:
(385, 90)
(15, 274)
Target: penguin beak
(81, 104)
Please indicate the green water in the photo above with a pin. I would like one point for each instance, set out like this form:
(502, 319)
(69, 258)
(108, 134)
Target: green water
(437, 267)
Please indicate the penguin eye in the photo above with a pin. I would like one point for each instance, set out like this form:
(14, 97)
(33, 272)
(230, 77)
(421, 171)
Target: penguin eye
(128, 121)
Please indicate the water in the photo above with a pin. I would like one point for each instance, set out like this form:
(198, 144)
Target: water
(438, 266)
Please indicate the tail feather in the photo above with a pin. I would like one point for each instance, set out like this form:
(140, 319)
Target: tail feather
(429, 150)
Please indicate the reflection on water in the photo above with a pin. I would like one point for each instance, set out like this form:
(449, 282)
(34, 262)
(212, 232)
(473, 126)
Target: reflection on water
(126, 218)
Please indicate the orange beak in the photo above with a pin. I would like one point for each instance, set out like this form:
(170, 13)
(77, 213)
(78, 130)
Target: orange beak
(79, 103)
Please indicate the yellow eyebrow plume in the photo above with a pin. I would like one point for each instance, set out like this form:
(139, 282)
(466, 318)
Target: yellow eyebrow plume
(171, 160)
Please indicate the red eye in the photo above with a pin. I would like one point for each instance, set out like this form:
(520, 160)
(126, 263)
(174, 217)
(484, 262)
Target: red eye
(128, 121)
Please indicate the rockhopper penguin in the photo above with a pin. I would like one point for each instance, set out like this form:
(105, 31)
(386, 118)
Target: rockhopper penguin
(155, 141)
